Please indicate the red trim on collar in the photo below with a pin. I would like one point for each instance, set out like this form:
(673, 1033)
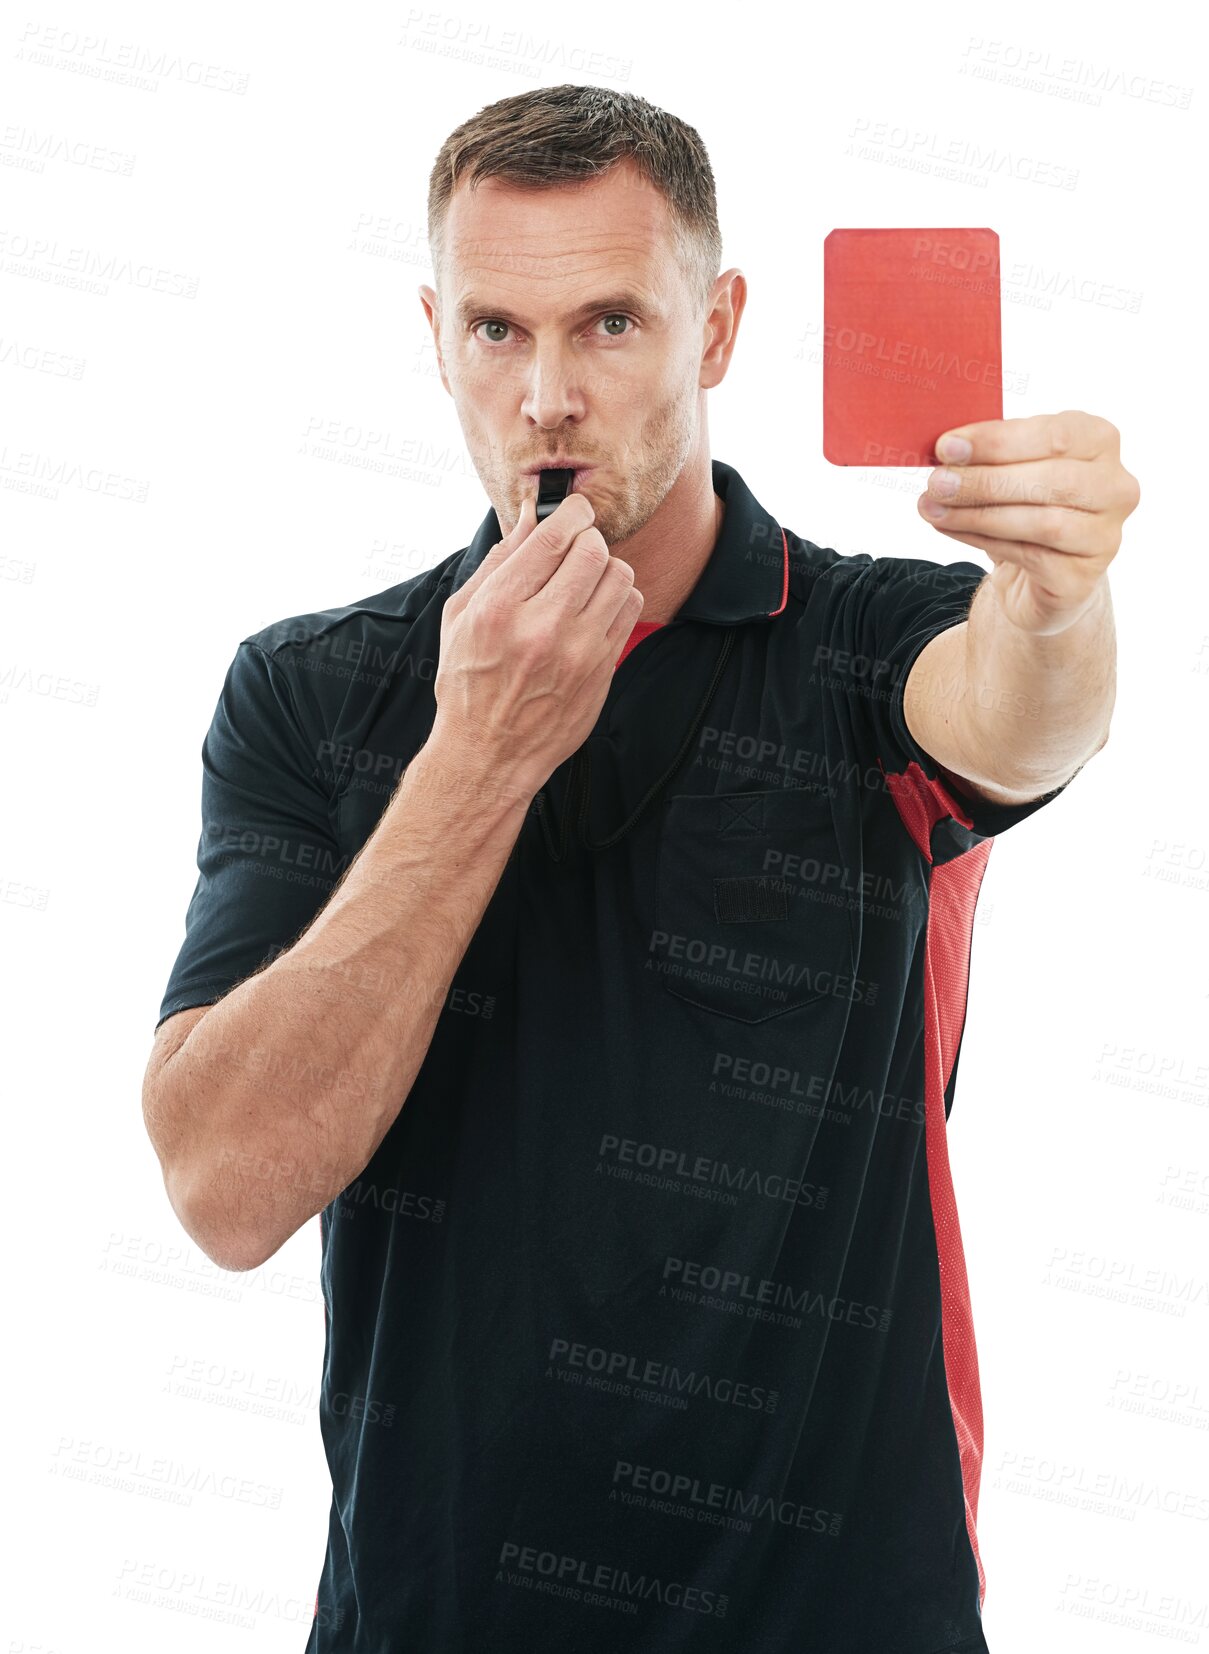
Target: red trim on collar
(642, 628)
(785, 578)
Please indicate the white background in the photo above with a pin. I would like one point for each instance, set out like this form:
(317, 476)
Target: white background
(162, 498)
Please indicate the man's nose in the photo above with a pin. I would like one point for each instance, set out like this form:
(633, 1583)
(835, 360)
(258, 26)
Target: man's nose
(555, 388)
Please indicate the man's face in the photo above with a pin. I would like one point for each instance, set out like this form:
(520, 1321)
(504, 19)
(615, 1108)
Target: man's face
(565, 327)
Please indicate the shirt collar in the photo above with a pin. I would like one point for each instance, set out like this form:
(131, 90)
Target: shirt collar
(745, 579)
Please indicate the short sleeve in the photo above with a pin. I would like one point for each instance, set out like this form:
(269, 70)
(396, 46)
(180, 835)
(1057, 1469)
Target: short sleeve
(267, 857)
(887, 610)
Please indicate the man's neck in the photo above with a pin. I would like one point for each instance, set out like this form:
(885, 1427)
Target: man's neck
(668, 555)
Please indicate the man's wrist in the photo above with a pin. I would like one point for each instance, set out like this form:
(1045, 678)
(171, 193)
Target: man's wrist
(459, 765)
(1089, 611)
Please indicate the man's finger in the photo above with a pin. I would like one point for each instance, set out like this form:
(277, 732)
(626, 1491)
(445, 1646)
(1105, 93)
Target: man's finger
(503, 549)
(1071, 434)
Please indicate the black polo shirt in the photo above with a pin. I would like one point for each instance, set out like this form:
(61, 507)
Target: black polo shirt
(647, 1325)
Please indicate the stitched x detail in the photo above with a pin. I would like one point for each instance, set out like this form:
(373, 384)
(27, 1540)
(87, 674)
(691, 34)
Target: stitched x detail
(739, 813)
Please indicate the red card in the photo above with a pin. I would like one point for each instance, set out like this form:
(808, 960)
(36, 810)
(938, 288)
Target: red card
(911, 341)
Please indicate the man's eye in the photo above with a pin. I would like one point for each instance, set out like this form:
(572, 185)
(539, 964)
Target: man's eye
(502, 326)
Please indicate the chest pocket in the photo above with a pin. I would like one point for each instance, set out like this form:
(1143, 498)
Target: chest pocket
(753, 908)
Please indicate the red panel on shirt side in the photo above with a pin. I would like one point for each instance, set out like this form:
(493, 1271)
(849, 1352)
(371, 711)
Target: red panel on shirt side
(953, 895)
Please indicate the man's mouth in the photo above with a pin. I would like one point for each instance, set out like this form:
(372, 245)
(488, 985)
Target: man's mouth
(581, 471)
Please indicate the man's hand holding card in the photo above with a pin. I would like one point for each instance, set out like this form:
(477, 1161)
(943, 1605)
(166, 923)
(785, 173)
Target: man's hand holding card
(913, 376)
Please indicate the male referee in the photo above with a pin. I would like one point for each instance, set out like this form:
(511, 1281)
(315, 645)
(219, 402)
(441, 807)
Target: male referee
(583, 932)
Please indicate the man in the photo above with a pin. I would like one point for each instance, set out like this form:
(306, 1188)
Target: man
(615, 1044)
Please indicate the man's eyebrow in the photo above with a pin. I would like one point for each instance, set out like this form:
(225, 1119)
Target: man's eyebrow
(470, 306)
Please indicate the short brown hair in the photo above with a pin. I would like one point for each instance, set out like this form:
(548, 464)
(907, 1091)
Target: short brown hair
(565, 134)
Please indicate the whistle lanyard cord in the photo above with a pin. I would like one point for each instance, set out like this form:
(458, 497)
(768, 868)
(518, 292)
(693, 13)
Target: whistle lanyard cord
(547, 809)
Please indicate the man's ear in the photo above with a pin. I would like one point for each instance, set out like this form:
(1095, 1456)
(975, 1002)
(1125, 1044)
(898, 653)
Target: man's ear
(428, 299)
(722, 327)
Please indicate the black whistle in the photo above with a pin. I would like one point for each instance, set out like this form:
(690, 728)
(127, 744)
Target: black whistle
(552, 487)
